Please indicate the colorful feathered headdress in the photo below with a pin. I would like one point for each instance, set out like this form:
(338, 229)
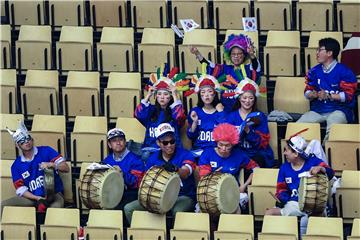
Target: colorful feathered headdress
(245, 86)
(241, 41)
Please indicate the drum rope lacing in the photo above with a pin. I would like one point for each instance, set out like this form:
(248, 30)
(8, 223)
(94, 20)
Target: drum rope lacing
(90, 179)
(151, 188)
(206, 198)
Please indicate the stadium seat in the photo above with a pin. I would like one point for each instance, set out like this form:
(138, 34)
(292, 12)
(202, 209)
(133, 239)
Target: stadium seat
(132, 128)
(8, 86)
(7, 185)
(107, 14)
(115, 51)
(60, 223)
(289, 95)
(191, 101)
(74, 49)
(33, 48)
(83, 168)
(348, 16)
(40, 94)
(205, 41)
(190, 9)
(191, 226)
(351, 53)
(310, 50)
(226, 13)
(282, 53)
(355, 232)
(321, 228)
(66, 179)
(26, 12)
(343, 146)
(233, 226)
(8, 148)
(347, 196)
(146, 225)
(5, 43)
(273, 15)
(263, 182)
(279, 227)
(66, 13)
(274, 138)
(50, 130)
(122, 95)
(18, 223)
(314, 15)
(313, 132)
(149, 14)
(104, 224)
(156, 48)
(81, 94)
(88, 139)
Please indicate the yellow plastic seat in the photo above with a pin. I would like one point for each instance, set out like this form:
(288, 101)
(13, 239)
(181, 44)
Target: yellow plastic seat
(233, 226)
(8, 148)
(8, 86)
(149, 14)
(7, 185)
(191, 226)
(132, 128)
(5, 43)
(279, 227)
(107, 13)
(66, 13)
(18, 223)
(190, 9)
(321, 228)
(146, 225)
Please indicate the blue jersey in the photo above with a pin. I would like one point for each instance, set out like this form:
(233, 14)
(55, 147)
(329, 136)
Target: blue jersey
(210, 161)
(27, 175)
(202, 136)
(257, 141)
(182, 157)
(143, 113)
(132, 167)
(288, 179)
(340, 80)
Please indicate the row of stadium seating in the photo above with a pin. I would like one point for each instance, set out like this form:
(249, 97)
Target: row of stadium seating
(301, 15)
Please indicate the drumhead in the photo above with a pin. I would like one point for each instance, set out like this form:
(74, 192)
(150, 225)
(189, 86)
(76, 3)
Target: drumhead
(170, 194)
(228, 195)
(112, 189)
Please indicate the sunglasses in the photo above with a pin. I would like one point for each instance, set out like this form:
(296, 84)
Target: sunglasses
(165, 143)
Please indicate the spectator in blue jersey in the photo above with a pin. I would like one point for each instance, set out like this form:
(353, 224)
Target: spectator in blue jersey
(298, 162)
(172, 159)
(241, 62)
(330, 88)
(168, 107)
(253, 124)
(225, 158)
(208, 113)
(27, 173)
(132, 167)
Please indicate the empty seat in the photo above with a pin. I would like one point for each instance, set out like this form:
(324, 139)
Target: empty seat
(115, 51)
(132, 128)
(191, 226)
(88, 139)
(81, 94)
(7, 185)
(289, 95)
(190, 9)
(18, 223)
(74, 49)
(273, 15)
(156, 48)
(8, 86)
(147, 14)
(108, 13)
(146, 225)
(5, 43)
(355, 231)
(40, 93)
(122, 95)
(26, 12)
(319, 228)
(264, 181)
(33, 48)
(233, 226)
(310, 50)
(104, 224)
(205, 41)
(279, 227)
(282, 53)
(66, 13)
(227, 13)
(314, 15)
(348, 16)
(60, 223)
(8, 148)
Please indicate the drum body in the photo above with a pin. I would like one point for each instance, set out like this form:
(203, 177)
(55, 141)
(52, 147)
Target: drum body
(159, 190)
(102, 188)
(313, 194)
(218, 193)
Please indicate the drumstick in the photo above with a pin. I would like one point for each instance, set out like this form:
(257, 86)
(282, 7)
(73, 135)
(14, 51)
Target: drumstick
(219, 169)
(273, 195)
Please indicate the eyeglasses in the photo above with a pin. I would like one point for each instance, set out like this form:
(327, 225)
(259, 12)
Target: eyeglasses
(171, 142)
(320, 49)
(236, 54)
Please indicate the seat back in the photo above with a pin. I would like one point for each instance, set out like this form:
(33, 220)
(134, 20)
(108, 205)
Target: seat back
(18, 222)
(225, 11)
(26, 12)
(11, 121)
(274, 143)
(146, 225)
(8, 90)
(7, 185)
(108, 13)
(149, 14)
(191, 225)
(104, 224)
(233, 226)
(332, 228)
(185, 9)
(64, 13)
(355, 231)
(279, 227)
(5, 43)
(314, 15)
(132, 128)
(348, 16)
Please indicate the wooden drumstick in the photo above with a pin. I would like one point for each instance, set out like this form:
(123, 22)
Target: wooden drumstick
(273, 195)
(219, 169)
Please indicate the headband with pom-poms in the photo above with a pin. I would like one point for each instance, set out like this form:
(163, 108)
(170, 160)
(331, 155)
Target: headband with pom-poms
(241, 41)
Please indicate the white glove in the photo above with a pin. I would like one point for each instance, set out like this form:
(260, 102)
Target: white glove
(244, 199)
(197, 208)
